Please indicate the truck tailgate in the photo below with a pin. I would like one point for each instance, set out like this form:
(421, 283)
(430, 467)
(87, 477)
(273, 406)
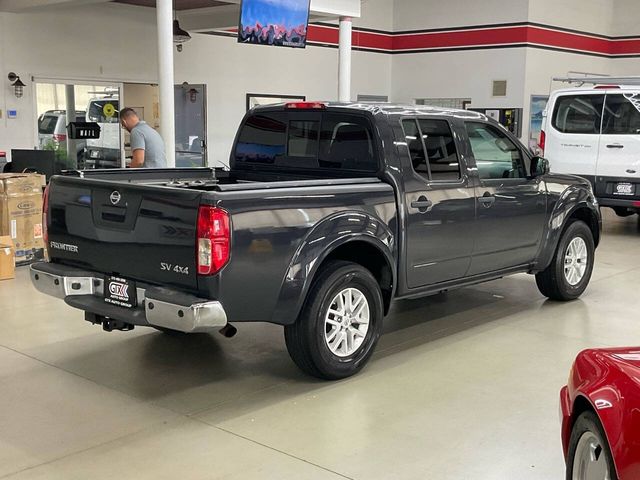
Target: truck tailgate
(140, 232)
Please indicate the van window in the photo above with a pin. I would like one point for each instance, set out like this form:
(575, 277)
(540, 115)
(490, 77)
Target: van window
(622, 115)
(578, 114)
(496, 155)
(97, 113)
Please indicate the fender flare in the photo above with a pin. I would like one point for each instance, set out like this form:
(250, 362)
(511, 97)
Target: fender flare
(325, 237)
(572, 199)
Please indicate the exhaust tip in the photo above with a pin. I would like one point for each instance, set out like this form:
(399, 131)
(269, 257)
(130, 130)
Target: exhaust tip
(228, 331)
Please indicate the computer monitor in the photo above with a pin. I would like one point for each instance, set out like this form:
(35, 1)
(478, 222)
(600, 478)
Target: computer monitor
(41, 161)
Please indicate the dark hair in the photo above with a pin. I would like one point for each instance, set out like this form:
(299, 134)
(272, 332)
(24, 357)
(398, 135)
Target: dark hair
(127, 112)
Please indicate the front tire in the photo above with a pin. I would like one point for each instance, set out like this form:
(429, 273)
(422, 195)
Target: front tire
(340, 323)
(568, 275)
(589, 455)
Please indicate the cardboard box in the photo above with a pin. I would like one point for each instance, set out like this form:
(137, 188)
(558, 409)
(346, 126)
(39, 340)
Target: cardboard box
(7, 259)
(21, 213)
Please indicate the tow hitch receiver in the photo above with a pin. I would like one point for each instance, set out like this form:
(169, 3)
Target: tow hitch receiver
(108, 324)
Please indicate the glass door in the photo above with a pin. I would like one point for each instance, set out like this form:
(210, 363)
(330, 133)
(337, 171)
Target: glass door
(191, 125)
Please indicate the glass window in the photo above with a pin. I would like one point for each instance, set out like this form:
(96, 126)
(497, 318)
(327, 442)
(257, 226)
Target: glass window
(416, 148)
(496, 155)
(303, 139)
(441, 150)
(346, 143)
(104, 111)
(622, 115)
(262, 139)
(578, 114)
(47, 124)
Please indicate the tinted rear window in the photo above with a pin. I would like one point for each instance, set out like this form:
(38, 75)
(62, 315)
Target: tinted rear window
(578, 114)
(47, 124)
(327, 141)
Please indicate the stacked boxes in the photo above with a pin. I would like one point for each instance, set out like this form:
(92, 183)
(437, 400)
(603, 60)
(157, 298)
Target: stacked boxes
(21, 213)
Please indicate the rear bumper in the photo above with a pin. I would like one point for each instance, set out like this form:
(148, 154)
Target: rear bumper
(159, 307)
(619, 202)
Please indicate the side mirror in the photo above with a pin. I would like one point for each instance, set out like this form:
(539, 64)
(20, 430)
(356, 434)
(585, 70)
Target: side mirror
(539, 166)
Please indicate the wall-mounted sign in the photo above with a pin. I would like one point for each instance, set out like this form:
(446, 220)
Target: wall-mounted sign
(282, 23)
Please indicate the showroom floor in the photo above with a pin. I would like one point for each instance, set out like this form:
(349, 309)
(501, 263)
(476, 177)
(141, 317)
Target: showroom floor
(463, 386)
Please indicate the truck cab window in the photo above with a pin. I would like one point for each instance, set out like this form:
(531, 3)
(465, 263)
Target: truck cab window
(262, 139)
(346, 143)
(444, 164)
(496, 155)
(432, 149)
(303, 138)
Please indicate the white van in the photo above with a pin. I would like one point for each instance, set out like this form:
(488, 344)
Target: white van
(595, 133)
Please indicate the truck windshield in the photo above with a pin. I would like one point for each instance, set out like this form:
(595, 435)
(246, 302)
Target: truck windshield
(315, 141)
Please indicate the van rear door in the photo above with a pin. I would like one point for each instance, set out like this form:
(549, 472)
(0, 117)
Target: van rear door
(573, 133)
(618, 169)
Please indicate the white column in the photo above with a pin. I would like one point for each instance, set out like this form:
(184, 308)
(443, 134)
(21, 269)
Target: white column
(72, 153)
(344, 60)
(165, 78)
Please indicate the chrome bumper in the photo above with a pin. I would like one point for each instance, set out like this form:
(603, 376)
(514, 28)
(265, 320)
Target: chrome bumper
(189, 315)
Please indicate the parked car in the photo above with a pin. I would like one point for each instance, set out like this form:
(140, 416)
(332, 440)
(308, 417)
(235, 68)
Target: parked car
(329, 212)
(595, 133)
(104, 152)
(52, 131)
(600, 408)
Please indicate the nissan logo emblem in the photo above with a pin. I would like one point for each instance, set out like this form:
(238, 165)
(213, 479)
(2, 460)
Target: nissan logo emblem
(115, 197)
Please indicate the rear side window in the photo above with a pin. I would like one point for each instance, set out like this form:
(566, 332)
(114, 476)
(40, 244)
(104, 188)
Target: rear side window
(578, 114)
(621, 115)
(332, 142)
(47, 124)
(98, 113)
(432, 149)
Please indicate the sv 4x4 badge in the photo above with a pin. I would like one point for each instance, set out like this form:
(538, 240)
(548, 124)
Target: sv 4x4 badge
(169, 267)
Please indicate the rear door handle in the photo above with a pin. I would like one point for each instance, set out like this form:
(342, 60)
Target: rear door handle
(615, 145)
(422, 204)
(487, 200)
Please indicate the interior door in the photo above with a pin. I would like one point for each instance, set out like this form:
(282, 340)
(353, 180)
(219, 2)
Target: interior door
(511, 206)
(191, 125)
(440, 204)
(618, 169)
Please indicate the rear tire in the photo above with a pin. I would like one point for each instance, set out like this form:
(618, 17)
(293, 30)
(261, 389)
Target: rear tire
(589, 453)
(340, 323)
(568, 275)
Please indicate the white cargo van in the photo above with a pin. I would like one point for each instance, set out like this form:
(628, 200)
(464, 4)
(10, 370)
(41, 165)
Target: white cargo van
(595, 133)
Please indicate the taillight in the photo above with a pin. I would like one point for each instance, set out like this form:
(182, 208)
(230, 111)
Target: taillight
(45, 229)
(214, 240)
(306, 106)
(59, 137)
(543, 141)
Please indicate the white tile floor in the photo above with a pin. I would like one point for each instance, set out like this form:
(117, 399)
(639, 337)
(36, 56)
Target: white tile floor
(462, 386)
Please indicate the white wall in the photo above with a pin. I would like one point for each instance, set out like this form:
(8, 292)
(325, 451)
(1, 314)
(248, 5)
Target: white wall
(425, 14)
(594, 16)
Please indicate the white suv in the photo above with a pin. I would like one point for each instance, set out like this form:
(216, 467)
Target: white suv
(595, 133)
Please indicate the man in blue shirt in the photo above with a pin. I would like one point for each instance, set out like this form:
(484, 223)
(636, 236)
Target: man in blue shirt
(147, 146)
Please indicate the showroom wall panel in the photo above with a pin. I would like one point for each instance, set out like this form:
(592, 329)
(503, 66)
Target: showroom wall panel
(594, 16)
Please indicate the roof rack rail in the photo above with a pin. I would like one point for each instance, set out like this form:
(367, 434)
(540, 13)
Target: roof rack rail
(614, 81)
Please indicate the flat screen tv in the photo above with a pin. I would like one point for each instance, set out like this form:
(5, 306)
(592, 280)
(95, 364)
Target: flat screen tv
(282, 23)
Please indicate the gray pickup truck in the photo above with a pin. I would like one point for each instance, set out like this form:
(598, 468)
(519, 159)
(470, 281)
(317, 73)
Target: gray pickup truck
(327, 214)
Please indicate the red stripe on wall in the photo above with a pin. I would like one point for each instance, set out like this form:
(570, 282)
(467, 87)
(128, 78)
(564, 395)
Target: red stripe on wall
(479, 37)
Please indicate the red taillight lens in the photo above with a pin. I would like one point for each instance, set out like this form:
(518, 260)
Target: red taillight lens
(45, 229)
(59, 137)
(214, 240)
(543, 141)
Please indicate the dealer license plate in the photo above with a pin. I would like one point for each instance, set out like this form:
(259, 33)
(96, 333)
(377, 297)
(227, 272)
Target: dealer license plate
(120, 291)
(625, 189)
